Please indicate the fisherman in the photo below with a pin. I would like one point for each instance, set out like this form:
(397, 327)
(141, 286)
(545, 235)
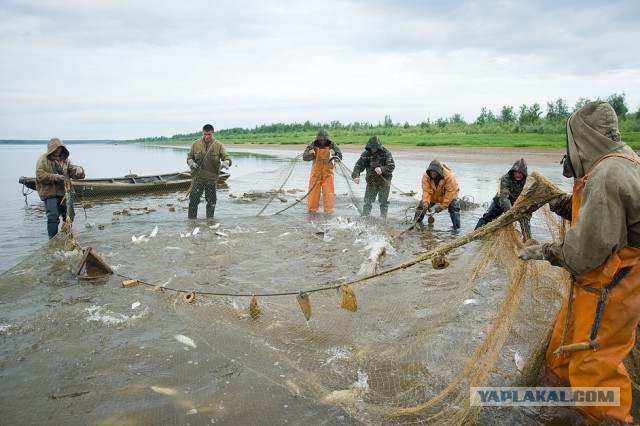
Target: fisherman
(53, 171)
(323, 152)
(439, 185)
(511, 185)
(205, 158)
(377, 161)
(596, 328)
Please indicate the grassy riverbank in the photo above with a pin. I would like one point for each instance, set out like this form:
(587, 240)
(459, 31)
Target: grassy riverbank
(505, 140)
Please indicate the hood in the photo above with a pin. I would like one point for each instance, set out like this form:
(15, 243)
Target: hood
(435, 166)
(519, 166)
(54, 144)
(592, 133)
(322, 135)
(374, 142)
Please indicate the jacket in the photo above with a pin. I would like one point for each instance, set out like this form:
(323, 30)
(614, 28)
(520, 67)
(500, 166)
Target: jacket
(48, 168)
(510, 188)
(609, 209)
(208, 160)
(369, 160)
(443, 189)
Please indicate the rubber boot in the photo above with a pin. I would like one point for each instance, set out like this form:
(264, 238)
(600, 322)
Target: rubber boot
(455, 220)
(366, 210)
(383, 211)
(193, 211)
(211, 209)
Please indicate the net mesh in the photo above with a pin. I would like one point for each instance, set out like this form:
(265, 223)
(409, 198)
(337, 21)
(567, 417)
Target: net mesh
(212, 328)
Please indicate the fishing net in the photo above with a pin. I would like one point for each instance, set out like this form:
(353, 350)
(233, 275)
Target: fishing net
(276, 316)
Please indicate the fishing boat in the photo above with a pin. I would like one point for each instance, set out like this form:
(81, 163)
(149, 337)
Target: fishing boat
(129, 184)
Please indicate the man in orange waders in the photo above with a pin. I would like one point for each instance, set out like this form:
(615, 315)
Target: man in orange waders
(323, 152)
(596, 328)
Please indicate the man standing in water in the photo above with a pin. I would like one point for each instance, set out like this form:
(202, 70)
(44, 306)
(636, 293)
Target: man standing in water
(205, 158)
(511, 185)
(596, 328)
(53, 171)
(378, 162)
(323, 152)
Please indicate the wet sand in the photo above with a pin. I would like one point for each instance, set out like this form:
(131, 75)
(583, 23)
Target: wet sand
(489, 155)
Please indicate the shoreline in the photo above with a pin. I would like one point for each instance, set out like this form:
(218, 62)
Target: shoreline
(533, 156)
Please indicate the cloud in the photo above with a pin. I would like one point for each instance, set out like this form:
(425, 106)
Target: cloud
(122, 69)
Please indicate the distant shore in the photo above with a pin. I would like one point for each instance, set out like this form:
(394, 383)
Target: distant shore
(489, 155)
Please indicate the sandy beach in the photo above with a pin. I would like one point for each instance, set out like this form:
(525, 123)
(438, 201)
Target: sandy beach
(533, 156)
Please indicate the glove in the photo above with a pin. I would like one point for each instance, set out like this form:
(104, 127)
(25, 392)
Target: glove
(59, 178)
(438, 209)
(417, 217)
(225, 164)
(192, 164)
(532, 252)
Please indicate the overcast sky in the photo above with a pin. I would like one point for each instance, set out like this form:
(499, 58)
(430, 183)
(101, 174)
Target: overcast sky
(116, 69)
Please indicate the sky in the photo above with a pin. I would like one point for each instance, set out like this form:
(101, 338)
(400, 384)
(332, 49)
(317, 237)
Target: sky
(116, 69)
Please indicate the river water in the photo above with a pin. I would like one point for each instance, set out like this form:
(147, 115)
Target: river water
(91, 352)
(24, 224)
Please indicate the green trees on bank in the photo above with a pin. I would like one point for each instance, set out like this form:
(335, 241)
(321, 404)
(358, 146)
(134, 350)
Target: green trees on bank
(527, 121)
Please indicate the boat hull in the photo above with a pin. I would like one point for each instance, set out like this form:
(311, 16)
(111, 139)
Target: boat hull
(128, 185)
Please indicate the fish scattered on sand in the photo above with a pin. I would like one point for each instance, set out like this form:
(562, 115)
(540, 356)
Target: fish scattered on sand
(185, 340)
(135, 305)
(195, 231)
(215, 226)
(470, 302)
(221, 234)
(154, 232)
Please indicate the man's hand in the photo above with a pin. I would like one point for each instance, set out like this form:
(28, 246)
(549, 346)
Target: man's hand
(438, 209)
(192, 165)
(59, 178)
(312, 152)
(332, 152)
(225, 164)
(532, 252)
(378, 170)
(357, 180)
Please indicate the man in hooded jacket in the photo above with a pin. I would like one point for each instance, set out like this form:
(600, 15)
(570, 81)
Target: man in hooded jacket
(378, 162)
(323, 152)
(601, 251)
(53, 171)
(511, 185)
(439, 185)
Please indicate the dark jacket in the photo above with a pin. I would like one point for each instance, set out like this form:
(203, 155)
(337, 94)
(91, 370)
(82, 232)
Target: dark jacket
(510, 188)
(369, 160)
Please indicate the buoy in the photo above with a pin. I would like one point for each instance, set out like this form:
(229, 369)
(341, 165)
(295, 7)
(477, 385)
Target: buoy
(349, 301)
(305, 304)
(254, 309)
(91, 265)
(439, 262)
(129, 283)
